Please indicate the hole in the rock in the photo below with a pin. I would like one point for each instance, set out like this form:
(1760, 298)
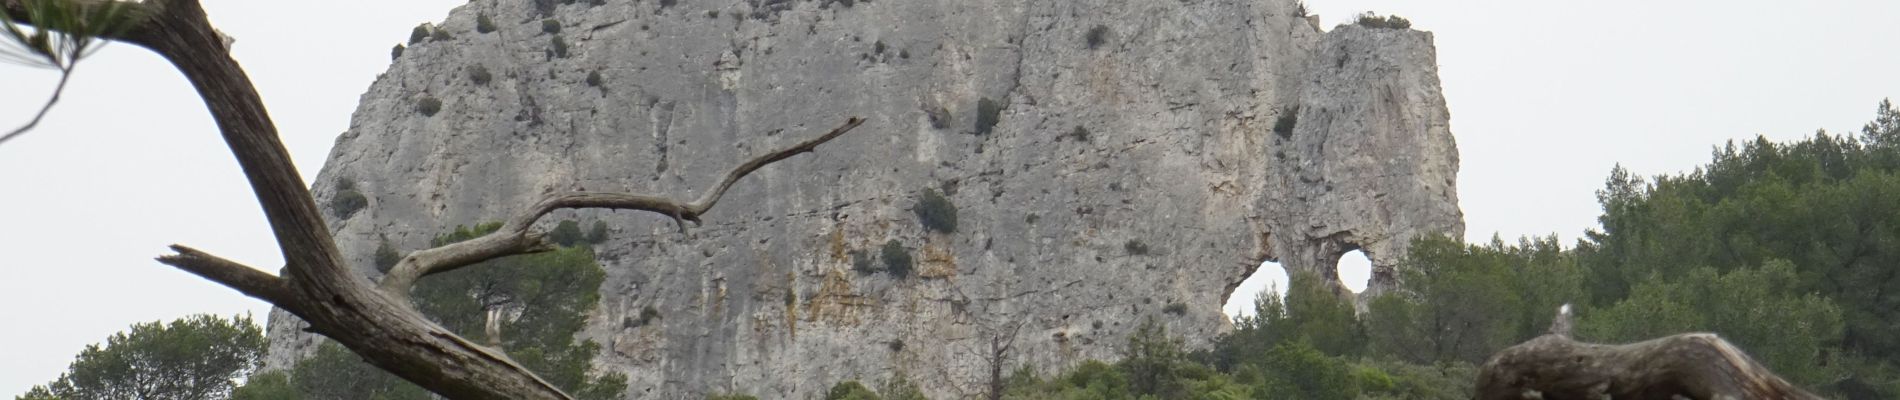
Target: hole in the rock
(1355, 270)
(1270, 276)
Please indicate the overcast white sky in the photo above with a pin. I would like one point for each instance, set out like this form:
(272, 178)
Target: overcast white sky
(1545, 97)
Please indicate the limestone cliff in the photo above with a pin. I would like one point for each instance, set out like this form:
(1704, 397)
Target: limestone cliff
(1132, 171)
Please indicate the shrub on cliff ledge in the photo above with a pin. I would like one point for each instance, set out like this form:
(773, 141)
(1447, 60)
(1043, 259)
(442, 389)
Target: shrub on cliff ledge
(936, 212)
(428, 106)
(1375, 21)
(897, 259)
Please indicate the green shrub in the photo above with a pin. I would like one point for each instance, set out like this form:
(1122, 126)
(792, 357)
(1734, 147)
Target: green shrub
(417, 35)
(483, 24)
(440, 35)
(936, 212)
(1080, 134)
(1097, 36)
(551, 26)
(1374, 21)
(386, 256)
(850, 390)
(428, 106)
(593, 78)
(988, 113)
(1299, 9)
(897, 259)
(567, 233)
(560, 46)
(479, 75)
(861, 262)
(396, 53)
(347, 200)
(1176, 308)
(1283, 125)
(730, 397)
(1135, 247)
(598, 233)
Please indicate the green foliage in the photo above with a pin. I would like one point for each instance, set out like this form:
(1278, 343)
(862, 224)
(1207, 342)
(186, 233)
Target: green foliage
(428, 106)
(62, 31)
(850, 390)
(440, 34)
(598, 233)
(730, 397)
(861, 262)
(1822, 205)
(479, 74)
(1283, 124)
(1097, 36)
(988, 114)
(542, 300)
(347, 200)
(417, 35)
(336, 373)
(900, 388)
(896, 259)
(1758, 309)
(936, 212)
(559, 46)
(550, 26)
(1465, 302)
(274, 385)
(1135, 247)
(1374, 21)
(593, 78)
(567, 234)
(196, 357)
(396, 52)
(1154, 362)
(386, 256)
(483, 24)
(1299, 9)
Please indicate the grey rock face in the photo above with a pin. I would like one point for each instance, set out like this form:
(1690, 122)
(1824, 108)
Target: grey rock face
(1132, 172)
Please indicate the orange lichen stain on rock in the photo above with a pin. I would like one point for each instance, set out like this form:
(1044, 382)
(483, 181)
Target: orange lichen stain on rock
(835, 301)
(938, 261)
(838, 249)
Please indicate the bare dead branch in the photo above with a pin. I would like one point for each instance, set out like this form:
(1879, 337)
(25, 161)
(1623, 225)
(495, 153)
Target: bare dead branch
(514, 236)
(1691, 365)
(64, 75)
(245, 279)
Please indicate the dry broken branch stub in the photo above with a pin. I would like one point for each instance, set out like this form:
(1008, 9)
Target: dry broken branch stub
(316, 285)
(1691, 365)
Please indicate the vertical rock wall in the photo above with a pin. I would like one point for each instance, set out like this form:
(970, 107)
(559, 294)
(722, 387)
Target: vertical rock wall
(1132, 172)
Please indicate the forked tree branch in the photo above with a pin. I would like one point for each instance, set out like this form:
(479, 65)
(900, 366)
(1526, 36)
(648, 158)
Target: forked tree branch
(515, 236)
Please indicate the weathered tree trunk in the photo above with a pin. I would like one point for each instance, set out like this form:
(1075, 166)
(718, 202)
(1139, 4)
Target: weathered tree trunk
(1686, 366)
(376, 322)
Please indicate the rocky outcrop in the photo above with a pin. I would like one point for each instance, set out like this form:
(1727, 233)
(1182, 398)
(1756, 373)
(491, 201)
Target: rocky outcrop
(1110, 162)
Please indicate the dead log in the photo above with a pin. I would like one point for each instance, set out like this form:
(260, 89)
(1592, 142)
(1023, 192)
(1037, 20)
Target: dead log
(1687, 366)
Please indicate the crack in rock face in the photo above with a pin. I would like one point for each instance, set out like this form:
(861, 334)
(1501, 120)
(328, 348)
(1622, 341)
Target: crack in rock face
(1140, 174)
